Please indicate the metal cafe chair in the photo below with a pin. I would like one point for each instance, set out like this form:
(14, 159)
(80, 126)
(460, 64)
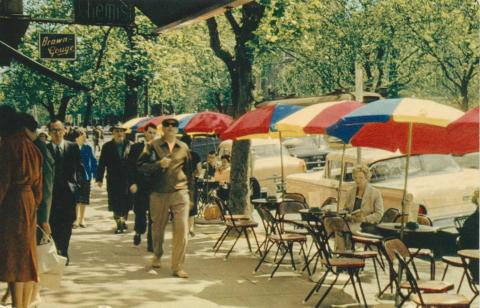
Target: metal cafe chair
(455, 261)
(396, 246)
(428, 300)
(283, 241)
(336, 265)
(240, 223)
(338, 225)
(421, 252)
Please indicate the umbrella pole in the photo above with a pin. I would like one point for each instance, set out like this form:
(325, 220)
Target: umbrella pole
(402, 222)
(281, 165)
(342, 170)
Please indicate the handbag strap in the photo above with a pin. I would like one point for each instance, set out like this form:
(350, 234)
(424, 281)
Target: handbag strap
(49, 237)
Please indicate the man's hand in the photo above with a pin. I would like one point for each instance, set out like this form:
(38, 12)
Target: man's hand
(358, 216)
(133, 188)
(46, 227)
(100, 184)
(165, 162)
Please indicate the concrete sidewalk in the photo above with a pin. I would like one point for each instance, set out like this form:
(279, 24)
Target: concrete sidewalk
(106, 270)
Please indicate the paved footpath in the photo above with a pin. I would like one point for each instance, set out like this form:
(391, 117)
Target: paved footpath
(106, 270)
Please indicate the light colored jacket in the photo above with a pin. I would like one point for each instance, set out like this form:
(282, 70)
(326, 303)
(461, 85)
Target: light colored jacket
(372, 203)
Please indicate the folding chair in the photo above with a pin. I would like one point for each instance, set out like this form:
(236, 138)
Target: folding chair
(283, 241)
(240, 223)
(335, 266)
(428, 300)
(423, 252)
(338, 225)
(395, 245)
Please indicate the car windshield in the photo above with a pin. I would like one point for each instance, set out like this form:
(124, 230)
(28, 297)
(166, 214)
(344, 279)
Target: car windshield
(268, 150)
(420, 165)
(307, 144)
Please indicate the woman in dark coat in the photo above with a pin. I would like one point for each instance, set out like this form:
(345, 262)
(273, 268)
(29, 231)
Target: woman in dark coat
(20, 196)
(114, 159)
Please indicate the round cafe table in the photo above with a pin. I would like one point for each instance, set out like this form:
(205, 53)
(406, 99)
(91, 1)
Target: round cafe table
(395, 227)
(471, 255)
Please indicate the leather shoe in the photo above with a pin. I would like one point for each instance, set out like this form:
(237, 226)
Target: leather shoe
(137, 239)
(180, 274)
(156, 262)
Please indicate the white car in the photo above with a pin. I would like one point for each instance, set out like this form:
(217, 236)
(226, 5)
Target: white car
(439, 185)
(266, 162)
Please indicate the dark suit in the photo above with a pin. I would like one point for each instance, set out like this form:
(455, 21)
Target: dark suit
(142, 197)
(68, 174)
(118, 179)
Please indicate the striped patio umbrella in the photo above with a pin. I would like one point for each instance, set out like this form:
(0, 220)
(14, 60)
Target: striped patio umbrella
(463, 133)
(208, 123)
(132, 124)
(413, 126)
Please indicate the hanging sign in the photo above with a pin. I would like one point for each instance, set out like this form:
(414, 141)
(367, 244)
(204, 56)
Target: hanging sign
(57, 46)
(104, 12)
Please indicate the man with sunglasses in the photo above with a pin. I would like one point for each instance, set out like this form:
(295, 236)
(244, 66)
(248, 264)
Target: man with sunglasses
(171, 188)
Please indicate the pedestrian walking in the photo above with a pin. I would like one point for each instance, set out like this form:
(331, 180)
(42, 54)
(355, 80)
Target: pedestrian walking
(20, 196)
(48, 169)
(90, 166)
(140, 187)
(69, 173)
(97, 136)
(114, 160)
(172, 184)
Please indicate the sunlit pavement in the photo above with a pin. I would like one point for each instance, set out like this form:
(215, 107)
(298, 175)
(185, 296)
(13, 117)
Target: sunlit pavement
(107, 270)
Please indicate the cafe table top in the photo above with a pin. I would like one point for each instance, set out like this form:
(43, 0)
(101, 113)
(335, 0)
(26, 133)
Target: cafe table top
(263, 201)
(395, 226)
(470, 253)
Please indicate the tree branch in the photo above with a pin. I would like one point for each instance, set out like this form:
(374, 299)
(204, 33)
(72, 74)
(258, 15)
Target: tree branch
(216, 45)
(233, 22)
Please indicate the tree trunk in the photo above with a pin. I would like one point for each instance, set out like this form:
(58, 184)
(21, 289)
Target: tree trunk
(62, 110)
(131, 96)
(239, 176)
(464, 96)
(88, 111)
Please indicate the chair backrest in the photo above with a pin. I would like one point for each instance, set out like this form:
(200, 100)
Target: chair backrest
(290, 207)
(410, 277)
(255, 189)
(329, 200)
(224, 211)
(459, 221)
(390, 215)
(296, 197)
(269, 221)
(395, 244)
(335, 225)
(421, 219)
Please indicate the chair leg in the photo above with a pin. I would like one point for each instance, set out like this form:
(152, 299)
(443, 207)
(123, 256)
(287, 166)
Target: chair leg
(376, 275)
(264, 256)
(361, 289)
(461, 282)
(234, 243)
(317, 285)
(248, 239)
(352, 279)
(445, 273)
(326, 292)
(279, 262)
(255, 236)
(292, 260)
(223, 239)
(220, 237)
(305, 258)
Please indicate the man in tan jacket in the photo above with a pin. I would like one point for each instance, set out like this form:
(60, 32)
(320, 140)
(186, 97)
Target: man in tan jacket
(172, 184)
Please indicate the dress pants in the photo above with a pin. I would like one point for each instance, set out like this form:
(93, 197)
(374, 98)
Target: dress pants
(178, 202)
(61, 219)
(143, 222)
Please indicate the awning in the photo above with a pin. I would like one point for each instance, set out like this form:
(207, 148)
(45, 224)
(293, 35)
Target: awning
(20, 57)
(170, 14)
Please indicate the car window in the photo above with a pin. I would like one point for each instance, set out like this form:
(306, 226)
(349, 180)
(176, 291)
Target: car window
(420, 165)
(268, 150)
(334, 170)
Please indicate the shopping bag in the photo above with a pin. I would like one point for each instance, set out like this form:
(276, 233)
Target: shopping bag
(53, 278)
(47, 257)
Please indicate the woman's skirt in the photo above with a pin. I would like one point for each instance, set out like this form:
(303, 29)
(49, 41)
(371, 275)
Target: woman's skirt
(83, 194)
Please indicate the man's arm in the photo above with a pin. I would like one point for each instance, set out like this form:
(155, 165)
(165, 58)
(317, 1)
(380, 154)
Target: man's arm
(101, 164)
(144, 164)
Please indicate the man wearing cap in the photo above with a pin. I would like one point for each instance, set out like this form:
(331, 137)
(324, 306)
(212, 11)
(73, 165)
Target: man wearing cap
(172, 184)
(114, 159)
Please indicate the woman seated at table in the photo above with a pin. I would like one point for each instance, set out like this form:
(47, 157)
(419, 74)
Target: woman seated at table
(222, 176)
(469, 238)
(364, 203)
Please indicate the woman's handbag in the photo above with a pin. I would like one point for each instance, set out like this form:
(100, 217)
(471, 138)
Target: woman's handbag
(47, 257)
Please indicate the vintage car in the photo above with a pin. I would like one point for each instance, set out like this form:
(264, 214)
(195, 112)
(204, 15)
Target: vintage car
(312, 149)
(266, 162)
(439, 185)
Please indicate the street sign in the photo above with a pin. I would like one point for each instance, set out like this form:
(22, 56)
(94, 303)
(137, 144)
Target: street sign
(57, 46)
(104, 12)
